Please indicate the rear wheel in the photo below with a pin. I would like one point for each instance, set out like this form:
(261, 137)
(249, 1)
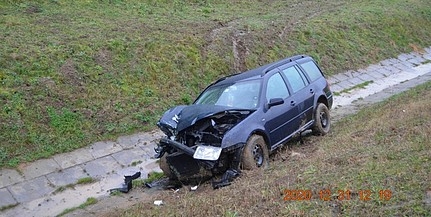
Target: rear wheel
(255, 154)
(322, 121)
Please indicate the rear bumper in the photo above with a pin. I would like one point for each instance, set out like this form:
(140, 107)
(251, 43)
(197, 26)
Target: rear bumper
(330, 100)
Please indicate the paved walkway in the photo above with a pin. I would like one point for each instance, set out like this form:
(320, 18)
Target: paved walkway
(30, 190)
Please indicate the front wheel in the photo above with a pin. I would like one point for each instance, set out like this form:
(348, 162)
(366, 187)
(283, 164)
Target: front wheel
(164, 166)
(322, 122)
(255, 154)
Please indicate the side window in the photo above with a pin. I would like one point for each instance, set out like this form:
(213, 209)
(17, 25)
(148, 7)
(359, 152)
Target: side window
(312, 70)
(294, 78)
(276, 87)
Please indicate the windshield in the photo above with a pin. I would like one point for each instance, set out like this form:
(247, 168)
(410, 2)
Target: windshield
(244, 95)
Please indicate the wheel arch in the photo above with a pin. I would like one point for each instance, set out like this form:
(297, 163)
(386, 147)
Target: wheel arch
(322, 99)
(263, 135)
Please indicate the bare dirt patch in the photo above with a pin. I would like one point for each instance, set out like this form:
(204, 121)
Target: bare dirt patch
(70, 73)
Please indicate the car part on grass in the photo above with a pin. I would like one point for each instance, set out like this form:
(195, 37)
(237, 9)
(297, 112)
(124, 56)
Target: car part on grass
(226, 179)
(127, 186)
(164, 183)
(158, 202)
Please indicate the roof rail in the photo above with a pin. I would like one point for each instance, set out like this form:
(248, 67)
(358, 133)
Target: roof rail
(224, 78)
(282, 62)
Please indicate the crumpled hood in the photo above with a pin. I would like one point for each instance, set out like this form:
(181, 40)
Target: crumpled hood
(181, 117)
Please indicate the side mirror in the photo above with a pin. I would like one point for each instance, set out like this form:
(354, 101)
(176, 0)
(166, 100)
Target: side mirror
(274, 102)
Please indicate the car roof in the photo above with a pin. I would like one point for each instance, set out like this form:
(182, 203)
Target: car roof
(257, 72)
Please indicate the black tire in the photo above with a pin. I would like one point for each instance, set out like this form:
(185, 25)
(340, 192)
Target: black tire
(322, 120)
(255, 154)
(164, 166)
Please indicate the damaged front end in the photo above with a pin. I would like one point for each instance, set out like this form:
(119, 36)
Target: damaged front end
(194, 148)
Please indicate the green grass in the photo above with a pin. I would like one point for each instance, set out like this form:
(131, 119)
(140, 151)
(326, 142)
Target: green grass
(153, 176)
(372, 164)
(81, 181)
(76, 72)
(2, 208)
(85, 180)
(90, 201)
(358, 86)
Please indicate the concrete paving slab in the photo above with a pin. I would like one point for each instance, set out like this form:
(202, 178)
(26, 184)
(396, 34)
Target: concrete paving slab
(403, 57)
(153, 166)
(127, 157)
(101, 167)
(154, 136)
(39, 168)
(129, 171)
(366, 77)
(393, 69)
(389, 62)
(404, 67)
(336, 88)
(149, 150)
(101, 149)
(132, 141)
(340, 77)
(355, 81)
(356, 73)
(67, 176)
(408, 64)
(332, 80)
(416, 61)
(345, 84)
(385, 72)
(416, 54)
(376, 75)
(374, 67)
(362, 71)
(31, 189)
(6, 198)
(73, 158)
(349, 73)
(9, 177)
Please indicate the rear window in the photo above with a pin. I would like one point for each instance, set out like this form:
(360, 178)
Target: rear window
(312, 70)
(295, 79)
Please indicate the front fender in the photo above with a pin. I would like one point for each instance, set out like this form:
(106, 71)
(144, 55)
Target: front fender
(238, 135)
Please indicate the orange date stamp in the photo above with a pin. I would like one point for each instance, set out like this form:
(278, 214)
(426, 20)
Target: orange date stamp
(327, 195)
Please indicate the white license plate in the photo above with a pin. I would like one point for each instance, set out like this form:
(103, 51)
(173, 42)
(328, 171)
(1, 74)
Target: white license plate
(207, 153)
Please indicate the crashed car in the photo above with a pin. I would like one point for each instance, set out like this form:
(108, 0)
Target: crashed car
(239, 120)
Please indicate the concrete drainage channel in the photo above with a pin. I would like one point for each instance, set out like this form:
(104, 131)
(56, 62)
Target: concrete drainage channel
(32, 189)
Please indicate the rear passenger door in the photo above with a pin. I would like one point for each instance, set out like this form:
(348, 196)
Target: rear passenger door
(302, 93)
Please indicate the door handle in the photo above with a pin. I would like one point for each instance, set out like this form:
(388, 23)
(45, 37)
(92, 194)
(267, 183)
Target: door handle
(292, 103)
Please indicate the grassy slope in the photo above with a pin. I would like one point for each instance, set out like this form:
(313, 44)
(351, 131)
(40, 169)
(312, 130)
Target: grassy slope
(369, 151)
(75, 72)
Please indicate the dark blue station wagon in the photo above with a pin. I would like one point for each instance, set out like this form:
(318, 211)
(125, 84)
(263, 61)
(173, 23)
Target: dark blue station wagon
(239, 120)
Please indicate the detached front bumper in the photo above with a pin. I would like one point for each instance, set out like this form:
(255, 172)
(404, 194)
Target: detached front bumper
(183, 148)
(185, 167)
(165, 142)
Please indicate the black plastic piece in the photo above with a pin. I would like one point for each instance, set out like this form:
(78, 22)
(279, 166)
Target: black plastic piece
(226, 179)
(127, 183)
